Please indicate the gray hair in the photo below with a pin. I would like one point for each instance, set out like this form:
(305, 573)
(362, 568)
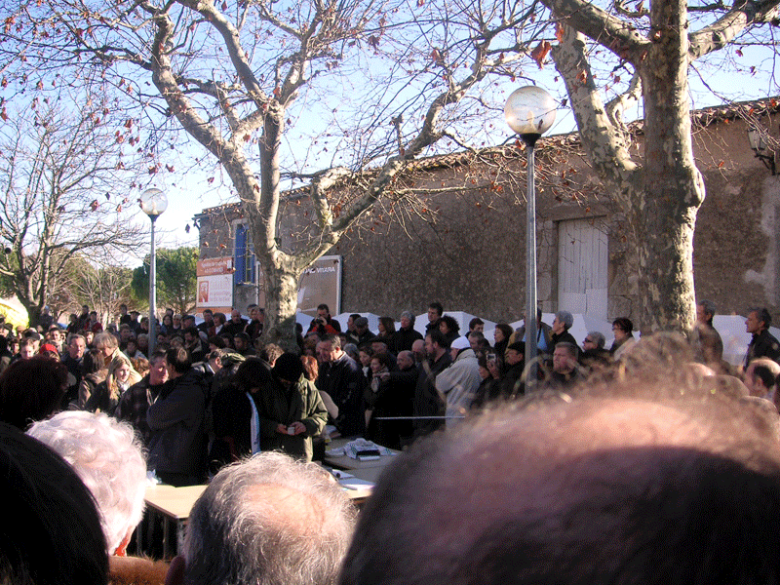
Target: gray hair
(105, 338)
(409, 315)
(566, 318)
(351, 350)
(241, 533)
(334, 340)
(108, 457)
(708, 306)
(598, 338)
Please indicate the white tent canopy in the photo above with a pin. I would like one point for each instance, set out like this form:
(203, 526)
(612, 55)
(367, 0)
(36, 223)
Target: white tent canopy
(731, 328)
(373, 320)
(463, 319)
(735, 337)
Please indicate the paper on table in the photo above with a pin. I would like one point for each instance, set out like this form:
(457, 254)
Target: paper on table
(356, 484)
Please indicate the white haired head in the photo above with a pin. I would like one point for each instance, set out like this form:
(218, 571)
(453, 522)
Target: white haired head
(109, 459)
(269, 519)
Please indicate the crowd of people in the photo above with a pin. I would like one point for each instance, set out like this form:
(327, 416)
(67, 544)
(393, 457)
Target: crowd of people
(392, 386)
(213, 404)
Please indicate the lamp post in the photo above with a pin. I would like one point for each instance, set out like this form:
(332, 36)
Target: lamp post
(153, 203)
(529, 112)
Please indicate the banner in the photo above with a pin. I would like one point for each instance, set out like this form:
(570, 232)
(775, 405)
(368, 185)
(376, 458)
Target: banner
(212, 266)
(215, 292)
(321, 283)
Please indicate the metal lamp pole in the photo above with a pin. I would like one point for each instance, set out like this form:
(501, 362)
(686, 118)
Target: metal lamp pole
(529, 112)
(153, 203)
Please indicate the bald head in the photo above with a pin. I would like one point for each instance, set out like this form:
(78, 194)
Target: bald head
(405, 360)
(418, 349)
(584, 490)
(760, 385)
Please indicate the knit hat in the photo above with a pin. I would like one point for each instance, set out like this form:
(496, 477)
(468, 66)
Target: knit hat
(518, 346)
(288, 367)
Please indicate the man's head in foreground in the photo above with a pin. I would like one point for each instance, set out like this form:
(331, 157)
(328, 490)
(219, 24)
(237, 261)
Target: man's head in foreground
(269, 519)
(613, 487)
(50, 533)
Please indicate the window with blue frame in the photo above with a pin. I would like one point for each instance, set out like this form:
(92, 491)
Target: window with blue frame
(244, 257)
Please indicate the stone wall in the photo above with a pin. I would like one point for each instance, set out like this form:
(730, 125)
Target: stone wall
(461, 238)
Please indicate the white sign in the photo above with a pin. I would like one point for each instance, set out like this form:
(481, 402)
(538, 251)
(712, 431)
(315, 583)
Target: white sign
(215, 291)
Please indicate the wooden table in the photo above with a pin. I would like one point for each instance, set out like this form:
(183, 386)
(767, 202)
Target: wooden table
(371, 474)
(173, 505)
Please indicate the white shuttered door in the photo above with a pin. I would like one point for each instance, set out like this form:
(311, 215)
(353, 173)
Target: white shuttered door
(583, 260)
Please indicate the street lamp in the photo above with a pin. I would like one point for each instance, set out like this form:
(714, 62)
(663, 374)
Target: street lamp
(529, 112)
(153, 203)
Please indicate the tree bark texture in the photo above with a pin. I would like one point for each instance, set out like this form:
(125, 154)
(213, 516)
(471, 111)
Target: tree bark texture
(281, 300)
(663, 214)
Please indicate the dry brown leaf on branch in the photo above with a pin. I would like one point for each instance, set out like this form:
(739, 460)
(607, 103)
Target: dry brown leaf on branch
(540, 52)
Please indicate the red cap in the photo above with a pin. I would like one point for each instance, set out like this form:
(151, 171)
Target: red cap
(48, 347)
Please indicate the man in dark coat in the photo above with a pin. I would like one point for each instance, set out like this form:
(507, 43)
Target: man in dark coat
(291, 410)
(177, 447)
(427, 400)
(512, 384)
(237, 323)
(763, 343)
(362, 333)
(404, 338)
(560, 330)
(74, 356)
(395, 398)
(342, 378)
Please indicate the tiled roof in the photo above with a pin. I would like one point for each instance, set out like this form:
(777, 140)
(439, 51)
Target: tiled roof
(757, 108)
(704, 117)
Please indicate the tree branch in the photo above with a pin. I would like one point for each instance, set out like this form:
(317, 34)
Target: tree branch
(602, 140)
(166, 83)
(232, 39)
(620, 103)
(720, 33)
(613, 33)
(640, 12)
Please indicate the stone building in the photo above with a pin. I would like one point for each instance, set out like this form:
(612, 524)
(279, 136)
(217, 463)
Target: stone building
(456, 231)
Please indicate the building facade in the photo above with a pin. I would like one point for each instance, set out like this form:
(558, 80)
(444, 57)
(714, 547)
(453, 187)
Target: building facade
(458, 236)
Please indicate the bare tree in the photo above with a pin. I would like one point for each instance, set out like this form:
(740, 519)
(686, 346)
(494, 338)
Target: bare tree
(99, 283)
(660, 190)
(59, 172)
(366, 86)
